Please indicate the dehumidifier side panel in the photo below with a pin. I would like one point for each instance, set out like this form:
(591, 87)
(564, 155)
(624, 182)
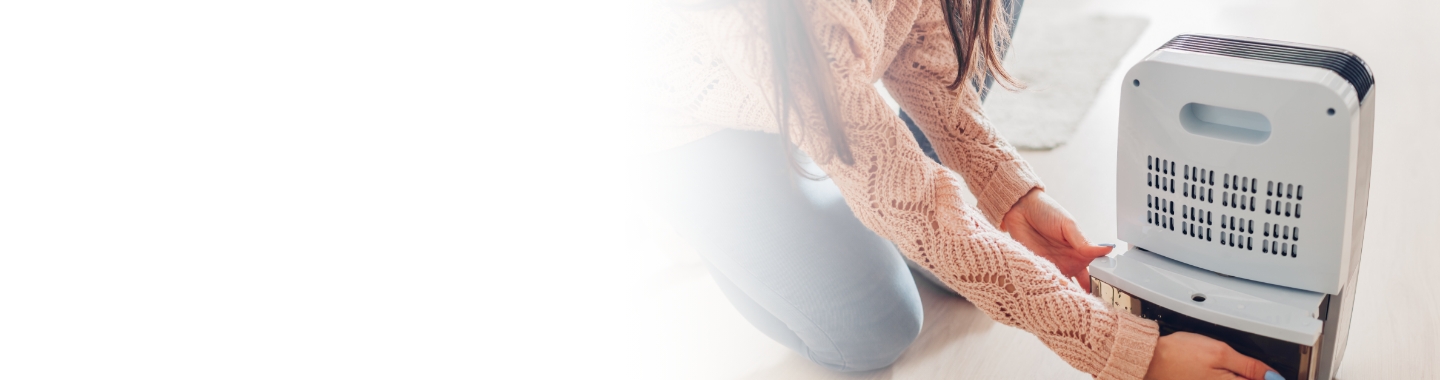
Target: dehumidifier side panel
(1337, 325)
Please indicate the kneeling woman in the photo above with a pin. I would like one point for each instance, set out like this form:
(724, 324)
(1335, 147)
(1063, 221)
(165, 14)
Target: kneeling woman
(754, 79)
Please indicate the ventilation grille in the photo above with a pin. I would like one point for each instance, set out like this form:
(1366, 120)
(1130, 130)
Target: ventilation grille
(1238, 207)
(1343, 63)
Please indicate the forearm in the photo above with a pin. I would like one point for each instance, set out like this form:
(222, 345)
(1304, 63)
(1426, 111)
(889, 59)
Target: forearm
(963, 139)
(915, 203)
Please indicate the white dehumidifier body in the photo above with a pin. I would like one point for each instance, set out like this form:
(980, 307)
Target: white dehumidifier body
(1242, 182)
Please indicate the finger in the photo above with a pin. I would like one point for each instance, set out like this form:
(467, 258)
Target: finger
(1072, 235)
(1245, 366)
(1084, 277)
(1078, 242)
(1099, 250)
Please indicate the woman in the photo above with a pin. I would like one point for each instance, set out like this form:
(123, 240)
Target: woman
(751, 80)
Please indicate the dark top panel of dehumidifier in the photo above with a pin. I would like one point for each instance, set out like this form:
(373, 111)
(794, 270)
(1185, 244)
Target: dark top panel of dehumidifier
(1343, 63)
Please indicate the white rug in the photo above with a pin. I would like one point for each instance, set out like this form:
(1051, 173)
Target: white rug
(1063, 56)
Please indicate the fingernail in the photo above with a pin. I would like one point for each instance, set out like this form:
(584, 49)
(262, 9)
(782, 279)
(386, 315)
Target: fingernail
(1111, 245)
(1271, 375)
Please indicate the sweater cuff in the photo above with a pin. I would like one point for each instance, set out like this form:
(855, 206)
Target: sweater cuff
(1134, 345)
(1010, 181)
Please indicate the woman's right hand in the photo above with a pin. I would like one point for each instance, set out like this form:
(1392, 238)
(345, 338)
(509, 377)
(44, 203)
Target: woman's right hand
(1184, 355)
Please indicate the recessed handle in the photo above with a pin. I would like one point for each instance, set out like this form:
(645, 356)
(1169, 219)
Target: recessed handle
(1225, 123)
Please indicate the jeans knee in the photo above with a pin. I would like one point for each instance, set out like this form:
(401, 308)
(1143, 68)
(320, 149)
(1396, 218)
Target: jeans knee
(872, 347)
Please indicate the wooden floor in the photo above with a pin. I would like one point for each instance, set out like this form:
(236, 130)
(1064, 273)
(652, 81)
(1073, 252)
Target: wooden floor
(1396, 328)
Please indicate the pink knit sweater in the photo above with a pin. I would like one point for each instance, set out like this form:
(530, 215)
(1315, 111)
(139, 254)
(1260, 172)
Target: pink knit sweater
(717, 77)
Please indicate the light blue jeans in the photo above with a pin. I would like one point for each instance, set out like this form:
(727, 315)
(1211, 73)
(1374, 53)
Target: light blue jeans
(788, 252)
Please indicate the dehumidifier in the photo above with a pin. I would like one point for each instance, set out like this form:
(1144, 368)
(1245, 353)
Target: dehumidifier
(1242, 181)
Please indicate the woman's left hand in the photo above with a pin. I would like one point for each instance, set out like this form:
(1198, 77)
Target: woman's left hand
(1038, 222)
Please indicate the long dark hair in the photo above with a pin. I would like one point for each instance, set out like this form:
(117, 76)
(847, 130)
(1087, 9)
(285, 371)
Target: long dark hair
(977, 29)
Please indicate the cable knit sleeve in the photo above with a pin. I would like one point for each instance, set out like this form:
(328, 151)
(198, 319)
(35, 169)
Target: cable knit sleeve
(899, 193)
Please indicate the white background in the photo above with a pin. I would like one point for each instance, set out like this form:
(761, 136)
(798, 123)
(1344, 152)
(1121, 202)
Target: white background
(314, 189)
